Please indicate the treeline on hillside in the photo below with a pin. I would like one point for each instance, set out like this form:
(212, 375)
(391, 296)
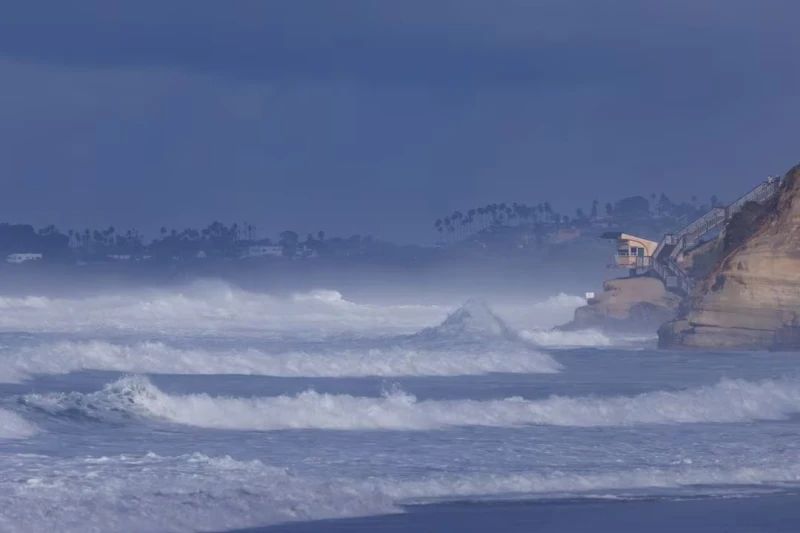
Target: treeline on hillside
(633, 208)
(215, 240)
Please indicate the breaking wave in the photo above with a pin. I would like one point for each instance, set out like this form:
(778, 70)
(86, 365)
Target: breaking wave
(321, 295)
(472, 321)
(200, 493)
(13, 426)
(393, 360)
(213, 307)
(725, 402)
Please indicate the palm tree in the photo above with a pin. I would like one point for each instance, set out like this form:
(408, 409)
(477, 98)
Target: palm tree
(321, 235)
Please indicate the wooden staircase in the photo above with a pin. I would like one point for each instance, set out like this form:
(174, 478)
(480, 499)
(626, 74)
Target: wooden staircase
(665, 258)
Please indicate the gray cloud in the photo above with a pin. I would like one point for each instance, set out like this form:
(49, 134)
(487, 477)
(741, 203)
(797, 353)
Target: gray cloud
(377, 117)
(432, 41)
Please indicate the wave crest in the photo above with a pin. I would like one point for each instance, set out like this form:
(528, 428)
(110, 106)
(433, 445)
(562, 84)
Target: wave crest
(321, 296)
(725, 402)
(388, 360)
(473, 320)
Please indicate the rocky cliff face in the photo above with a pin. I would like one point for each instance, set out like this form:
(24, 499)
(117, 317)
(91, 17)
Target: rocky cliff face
(627, 305)
(751, 299)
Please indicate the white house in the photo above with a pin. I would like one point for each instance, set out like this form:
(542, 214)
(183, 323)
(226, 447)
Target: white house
(21, 258)
(308, 253)
(262, 250)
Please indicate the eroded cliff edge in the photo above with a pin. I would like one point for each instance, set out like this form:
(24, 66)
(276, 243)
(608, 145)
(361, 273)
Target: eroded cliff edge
(750, 300)
(627, 305)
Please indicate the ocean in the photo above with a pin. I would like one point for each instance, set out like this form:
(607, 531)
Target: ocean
(209, 408)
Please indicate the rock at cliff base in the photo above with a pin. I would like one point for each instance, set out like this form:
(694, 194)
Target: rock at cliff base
(627, 305)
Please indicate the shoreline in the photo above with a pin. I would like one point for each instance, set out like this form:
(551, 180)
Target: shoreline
(772, 513)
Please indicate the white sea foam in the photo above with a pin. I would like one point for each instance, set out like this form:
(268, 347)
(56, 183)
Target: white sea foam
(450, 487)
(726, 402)
(13, 426)
(200, 493)
(189, 493)
(158, 358)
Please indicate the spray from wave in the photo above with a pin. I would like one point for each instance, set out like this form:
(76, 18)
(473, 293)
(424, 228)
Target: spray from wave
(535, 324)
(472, 321)
(214, 307)
(725, 402)
(13, 426)
(567, 339)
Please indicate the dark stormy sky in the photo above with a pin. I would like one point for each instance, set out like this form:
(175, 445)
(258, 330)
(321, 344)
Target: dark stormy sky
(376, 116)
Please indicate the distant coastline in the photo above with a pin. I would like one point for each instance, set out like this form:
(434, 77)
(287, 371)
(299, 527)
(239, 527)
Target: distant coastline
(496, 230)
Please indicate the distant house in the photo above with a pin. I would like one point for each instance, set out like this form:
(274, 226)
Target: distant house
(307, 253)
(264, 250)
(21, 258)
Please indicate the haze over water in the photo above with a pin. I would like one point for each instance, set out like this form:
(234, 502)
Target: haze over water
(208, 408)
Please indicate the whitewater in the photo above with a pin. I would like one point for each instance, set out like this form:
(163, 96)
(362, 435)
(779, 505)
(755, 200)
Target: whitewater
(210, 408)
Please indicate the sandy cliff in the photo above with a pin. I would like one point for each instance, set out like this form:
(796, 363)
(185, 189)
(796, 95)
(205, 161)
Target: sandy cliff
(627, 305)
(751, 298)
